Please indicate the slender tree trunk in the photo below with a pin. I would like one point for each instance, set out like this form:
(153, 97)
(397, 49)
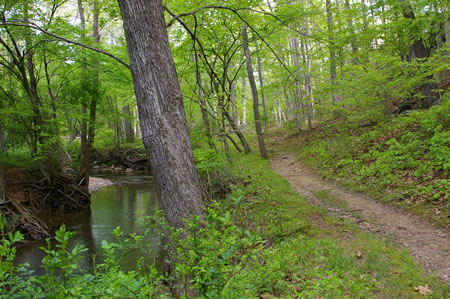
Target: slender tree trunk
(54, 119)
(118, 123)
(161, 110)
(332, 50)
(129, 134)
(234, 111)
(244, 104)
(203, 108)
(251, 79)
(263, 99)
(351, 31)
(2, 140)
(83, 173)
(237, 131)
(298, 94)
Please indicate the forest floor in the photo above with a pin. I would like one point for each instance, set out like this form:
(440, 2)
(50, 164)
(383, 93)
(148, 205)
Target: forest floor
(428, 245)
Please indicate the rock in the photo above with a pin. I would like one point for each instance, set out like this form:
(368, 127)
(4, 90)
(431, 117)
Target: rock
(129, 170)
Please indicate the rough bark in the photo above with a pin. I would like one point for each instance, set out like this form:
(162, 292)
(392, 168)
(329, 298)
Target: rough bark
(129, 134)
(251, 79)
(161, 110)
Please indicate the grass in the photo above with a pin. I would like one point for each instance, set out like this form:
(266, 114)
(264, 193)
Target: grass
(313, 254)
(404, 162)
(17, 157)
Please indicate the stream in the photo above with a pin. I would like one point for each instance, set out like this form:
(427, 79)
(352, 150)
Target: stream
(113, 206)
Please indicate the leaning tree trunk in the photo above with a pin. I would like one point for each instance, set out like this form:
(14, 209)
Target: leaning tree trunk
(161, 110)
(251, 79)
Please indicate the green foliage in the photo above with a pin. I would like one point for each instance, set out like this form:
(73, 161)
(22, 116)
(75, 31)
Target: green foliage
(407, 157)
(17, 157)
(256, 241)
(63, 277)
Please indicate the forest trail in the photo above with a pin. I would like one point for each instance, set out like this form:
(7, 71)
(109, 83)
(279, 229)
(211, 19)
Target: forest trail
(428, 245)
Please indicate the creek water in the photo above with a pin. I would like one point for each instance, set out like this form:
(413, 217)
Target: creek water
(117, 205)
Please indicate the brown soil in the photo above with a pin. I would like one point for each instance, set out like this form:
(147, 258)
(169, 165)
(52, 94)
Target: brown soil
(429, 246)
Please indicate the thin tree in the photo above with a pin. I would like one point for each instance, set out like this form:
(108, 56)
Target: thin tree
(251, 79)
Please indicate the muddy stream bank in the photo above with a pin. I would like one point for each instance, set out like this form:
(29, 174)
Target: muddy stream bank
(116, 201)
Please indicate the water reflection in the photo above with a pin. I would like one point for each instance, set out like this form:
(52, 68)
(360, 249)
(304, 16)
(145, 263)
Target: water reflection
(111, 207)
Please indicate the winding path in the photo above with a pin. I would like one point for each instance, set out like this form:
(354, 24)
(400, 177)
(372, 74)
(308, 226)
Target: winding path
(429, 246)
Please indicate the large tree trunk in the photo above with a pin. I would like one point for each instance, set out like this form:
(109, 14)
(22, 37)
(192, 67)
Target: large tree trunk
(251, 79)
(161, 110)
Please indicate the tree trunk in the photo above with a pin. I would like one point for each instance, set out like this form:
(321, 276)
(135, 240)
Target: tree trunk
(244, 105)
(417, 50)
(297, 102)
(129, 134)
(203, 107)
(87, 138)
(251, 79)
(234, 111)
(332, 50)
(2, 140)
(115, 106)
(83, 173)
(161, 110)
(351, 31)
(263, 98)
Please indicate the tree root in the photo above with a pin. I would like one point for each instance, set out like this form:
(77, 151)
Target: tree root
(25, 197)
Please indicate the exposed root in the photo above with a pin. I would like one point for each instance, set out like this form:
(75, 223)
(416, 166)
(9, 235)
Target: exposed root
(24, 197)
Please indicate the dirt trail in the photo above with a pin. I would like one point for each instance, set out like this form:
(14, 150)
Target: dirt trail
(429, 246)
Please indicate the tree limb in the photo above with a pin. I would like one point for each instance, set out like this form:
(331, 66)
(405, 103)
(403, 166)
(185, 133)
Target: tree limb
(22, 23)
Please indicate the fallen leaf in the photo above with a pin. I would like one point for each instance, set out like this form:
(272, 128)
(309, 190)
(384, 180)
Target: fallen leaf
(359, 254)
(424, 290)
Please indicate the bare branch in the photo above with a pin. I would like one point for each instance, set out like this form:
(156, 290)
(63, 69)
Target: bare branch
(235, 11)
(23, 23)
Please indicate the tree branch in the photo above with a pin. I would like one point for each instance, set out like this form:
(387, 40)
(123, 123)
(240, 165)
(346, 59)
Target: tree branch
(22, 23)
